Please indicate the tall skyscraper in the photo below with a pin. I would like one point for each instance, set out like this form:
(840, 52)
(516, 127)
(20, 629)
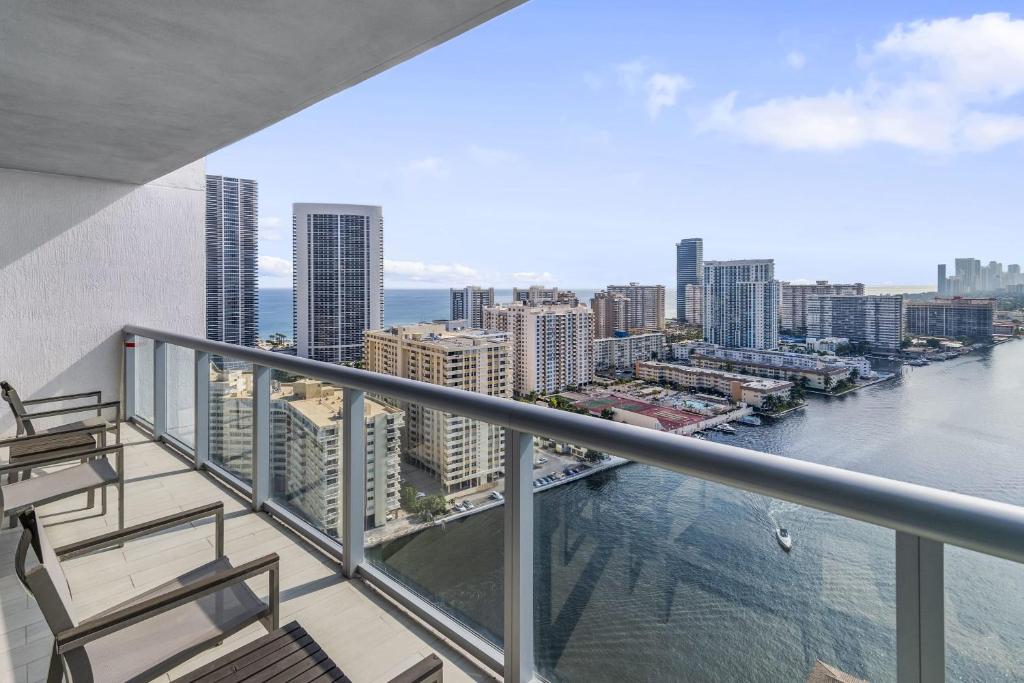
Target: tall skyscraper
(953, 317)
(232, 215)
(793, 304)
(611, 314)
(874, 320)
(969, 272)
(689, 274)
(462, 453)
(338, 291)
(469, 303)
(552, 345)
(741, 304)
(941, 281)
(646, 305)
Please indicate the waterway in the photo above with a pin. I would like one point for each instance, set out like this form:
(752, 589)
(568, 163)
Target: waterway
(647, 575)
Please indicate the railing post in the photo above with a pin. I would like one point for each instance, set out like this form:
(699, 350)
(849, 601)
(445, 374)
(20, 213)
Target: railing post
(201, 405)
(261, 471)
(353, 480)
(920, 614)
(129, 376)
(159, 389)
(518, 556)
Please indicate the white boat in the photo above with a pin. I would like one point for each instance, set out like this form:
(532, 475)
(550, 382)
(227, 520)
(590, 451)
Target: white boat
(753, 420)
(725, 428)
(784, 539)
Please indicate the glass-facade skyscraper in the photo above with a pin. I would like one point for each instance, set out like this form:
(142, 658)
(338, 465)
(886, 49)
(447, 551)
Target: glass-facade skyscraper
(338, 281)
(232, 216)
(689, 273)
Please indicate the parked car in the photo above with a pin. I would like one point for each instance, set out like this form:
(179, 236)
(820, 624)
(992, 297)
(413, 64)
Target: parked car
(496, 496)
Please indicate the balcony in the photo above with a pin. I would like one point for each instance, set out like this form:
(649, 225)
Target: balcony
(374, 637)
(507, 617)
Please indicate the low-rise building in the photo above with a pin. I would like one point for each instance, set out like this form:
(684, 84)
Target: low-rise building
(953, 318)
(740, 388)
(818, 372)
(623, 352)
(826, 345)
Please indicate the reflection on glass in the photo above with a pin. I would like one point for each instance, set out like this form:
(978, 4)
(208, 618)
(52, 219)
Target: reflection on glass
(984, 604)
(306, 451)
(231, 416)
(181, 420)
(450, 496)
(144, 379)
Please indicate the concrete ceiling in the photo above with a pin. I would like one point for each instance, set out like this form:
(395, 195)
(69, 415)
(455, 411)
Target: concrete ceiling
(130, 90)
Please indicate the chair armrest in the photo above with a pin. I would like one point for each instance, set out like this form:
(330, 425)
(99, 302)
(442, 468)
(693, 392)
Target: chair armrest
(58, 456)
(24, 438)
(146, 528)
(75, 409)
(66, 397)
(97, 627)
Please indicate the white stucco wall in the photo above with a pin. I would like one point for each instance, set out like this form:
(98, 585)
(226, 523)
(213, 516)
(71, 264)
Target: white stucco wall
(80, 258)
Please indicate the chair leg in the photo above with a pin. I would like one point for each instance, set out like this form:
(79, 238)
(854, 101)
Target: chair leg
(55, 674)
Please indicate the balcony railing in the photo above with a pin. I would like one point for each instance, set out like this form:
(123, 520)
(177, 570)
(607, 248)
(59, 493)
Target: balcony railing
(924, 519)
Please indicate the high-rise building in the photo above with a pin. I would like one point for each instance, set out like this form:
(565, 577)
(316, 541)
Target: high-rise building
(692, 298)
(552, 345)
(536, 295)
(969, 272)
(941, 281)
(611, 314)
(793, 304)
(873, 320)
(338, 290)
(622, 352)
(954, 318)
(469, 303)
(741, 304)
(461, 452)
(646, 305)
(689, 274)
(232, 216)
(305, 451)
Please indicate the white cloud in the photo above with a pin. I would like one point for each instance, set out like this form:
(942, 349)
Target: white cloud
(663, 90)
(593, 81)
(659, 89)
(270, 228)
(489, 156)
(429, 273)
(796, 59)
(272, 266)
(950, 71)
(429, 166)
(534, 278)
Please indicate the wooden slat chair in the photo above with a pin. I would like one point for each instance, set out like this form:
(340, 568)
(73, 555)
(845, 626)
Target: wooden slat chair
(151, 633)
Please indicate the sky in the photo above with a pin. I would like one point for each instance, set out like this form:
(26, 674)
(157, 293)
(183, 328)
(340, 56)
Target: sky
(573, 143)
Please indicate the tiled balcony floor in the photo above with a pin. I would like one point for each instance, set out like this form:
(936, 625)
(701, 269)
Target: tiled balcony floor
(366, 635)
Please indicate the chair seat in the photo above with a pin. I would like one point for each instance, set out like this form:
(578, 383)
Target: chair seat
(154, 646)
(53, 485)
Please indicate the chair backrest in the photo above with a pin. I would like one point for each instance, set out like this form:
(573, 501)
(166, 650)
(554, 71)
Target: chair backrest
(17, 407)
(45, 580)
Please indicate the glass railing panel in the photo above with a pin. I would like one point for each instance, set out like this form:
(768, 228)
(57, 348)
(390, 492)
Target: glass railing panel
(984, 604)
(437, 524)
(181, 397)
(306, 449)
(231, 416)
(144, 379)
(642, 573)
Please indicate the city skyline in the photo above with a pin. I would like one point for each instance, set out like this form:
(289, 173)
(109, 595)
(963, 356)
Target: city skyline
(652, 126)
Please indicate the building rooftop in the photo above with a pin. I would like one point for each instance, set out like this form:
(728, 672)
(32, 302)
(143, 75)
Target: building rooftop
(321, 403)
(368, 636)
(436, 334)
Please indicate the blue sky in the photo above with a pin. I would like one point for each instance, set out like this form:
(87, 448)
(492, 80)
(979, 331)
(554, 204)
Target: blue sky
(575, 142)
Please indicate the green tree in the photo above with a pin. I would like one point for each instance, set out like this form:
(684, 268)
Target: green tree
(607, 413)
(408, 497)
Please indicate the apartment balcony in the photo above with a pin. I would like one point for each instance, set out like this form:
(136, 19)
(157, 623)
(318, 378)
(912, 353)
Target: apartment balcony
(375, 638)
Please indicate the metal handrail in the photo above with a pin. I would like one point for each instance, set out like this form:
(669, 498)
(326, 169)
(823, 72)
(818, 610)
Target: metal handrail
(985, 526)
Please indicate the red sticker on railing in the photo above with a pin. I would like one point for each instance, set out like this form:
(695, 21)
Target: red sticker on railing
(129, 345)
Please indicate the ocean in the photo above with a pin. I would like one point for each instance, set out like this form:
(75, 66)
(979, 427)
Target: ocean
(404, 306)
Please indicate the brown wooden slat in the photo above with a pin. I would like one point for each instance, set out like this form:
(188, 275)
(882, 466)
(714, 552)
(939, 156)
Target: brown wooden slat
(427, 669)
(318, 672)
(224, 662)
(255, 662)
(296, 662)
